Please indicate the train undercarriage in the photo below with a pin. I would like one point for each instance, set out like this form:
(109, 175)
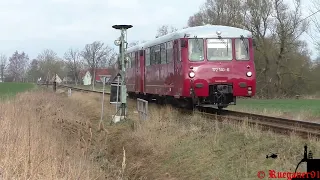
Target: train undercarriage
(220, 96)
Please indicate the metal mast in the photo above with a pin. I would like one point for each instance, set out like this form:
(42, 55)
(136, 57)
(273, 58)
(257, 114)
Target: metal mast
(121, 42)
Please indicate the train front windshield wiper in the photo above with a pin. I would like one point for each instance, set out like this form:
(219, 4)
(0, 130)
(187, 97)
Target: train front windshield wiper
(244, 43)
(225, 43)
(198, 44)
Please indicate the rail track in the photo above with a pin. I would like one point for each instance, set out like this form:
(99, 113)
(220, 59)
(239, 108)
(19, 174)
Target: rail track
(304, 129)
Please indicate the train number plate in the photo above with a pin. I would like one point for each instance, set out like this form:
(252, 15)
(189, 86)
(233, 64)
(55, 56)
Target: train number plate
(220, 69)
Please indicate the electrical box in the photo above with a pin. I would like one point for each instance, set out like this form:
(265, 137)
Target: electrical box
(115, 91)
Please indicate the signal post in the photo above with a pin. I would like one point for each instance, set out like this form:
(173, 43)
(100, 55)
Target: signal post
(121, 42)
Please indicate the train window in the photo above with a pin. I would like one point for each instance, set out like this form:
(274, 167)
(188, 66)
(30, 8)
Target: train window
(195, 48)
(242, 49)
(137, 59)
(163, 53)
(219, 49)
(169, 52)
(157, 54)
(147, 57)
(152, 56)
(127, 64)
(133, 58)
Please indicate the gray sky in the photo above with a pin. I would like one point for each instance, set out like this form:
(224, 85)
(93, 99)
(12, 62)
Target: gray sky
(33, 25)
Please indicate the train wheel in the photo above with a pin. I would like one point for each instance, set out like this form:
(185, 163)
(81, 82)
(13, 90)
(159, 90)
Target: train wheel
(186, 104)
(222, 106)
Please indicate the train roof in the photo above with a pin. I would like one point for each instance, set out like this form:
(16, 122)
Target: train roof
(135, 48)
(206, 31)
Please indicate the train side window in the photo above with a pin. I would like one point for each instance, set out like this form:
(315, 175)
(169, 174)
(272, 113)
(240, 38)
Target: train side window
(152, 56)
(157, 55)
(147, 57)
(137, 59)
(242, 49)
(169, 52)
(163, 53)
(127, 63)
(132, 60)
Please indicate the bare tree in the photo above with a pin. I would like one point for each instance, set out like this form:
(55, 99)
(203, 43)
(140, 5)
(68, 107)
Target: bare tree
(134, 43)
(314, 9)
(97, 55)
(288, 29)
(50, 64)
(73, 58)
(3, 62)
(17, 65)
(165, 29)
(219, 12)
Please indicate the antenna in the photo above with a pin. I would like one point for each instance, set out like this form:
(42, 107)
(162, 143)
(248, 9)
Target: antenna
(122, 43)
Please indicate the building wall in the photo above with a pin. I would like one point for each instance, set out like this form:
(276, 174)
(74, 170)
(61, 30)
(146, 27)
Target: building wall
(87, 79)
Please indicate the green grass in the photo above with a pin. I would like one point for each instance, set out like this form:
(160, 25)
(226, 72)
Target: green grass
(10, 89)
(282, 106)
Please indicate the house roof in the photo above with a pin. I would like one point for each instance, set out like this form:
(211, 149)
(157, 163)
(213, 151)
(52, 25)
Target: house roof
(83, 72)
(99, 72)
(102, 71)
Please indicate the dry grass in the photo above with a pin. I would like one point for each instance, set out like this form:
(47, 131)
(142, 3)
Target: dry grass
(45, 136)
(66, 143)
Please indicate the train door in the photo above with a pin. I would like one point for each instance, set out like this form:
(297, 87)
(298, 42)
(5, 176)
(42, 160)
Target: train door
(137, 71)
(178, 73)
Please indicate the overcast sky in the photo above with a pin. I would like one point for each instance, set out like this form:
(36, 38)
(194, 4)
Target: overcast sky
(33, 25)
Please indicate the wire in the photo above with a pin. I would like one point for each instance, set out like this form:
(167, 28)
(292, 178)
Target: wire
(298, 165)
(309, 16)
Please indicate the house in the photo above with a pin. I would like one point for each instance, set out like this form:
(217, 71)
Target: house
(87, 78)
(57, 79)
(67, 80)
(101, 72)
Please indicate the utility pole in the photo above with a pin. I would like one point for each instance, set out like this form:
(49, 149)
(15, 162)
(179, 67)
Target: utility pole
(122, 43)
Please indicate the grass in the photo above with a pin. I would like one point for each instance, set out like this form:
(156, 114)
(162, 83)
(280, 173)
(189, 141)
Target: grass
(10, 89)
(291, 108)
(173, 146)
(51, 136)
(97, 87)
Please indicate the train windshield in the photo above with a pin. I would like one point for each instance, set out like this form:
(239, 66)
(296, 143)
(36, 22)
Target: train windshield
(195, 48)
(219, 49)
(242, 50)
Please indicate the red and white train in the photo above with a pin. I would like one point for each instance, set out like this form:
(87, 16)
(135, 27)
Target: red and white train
(198, 66)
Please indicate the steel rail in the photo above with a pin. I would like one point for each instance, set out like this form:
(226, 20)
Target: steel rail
(280, 125)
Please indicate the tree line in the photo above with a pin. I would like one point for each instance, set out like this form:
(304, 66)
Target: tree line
(19, 68)
(282, 60)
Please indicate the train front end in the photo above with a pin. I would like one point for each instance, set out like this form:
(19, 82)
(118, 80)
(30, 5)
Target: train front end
(219, 68)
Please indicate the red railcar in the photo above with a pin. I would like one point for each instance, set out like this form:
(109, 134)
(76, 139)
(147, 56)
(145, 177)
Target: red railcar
(203, 65)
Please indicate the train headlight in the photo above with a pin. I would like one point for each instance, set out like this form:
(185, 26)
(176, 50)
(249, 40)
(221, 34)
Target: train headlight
(249, 74)
(191, 74)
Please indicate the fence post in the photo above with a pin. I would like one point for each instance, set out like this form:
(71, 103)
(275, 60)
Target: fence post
(54, 86)
(142, 107)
